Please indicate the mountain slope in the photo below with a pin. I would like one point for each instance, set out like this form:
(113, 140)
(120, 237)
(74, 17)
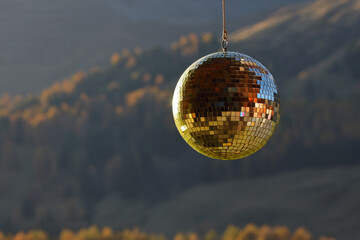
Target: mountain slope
(188, 11)
(321, 200)
(314, 41)
(44, 41)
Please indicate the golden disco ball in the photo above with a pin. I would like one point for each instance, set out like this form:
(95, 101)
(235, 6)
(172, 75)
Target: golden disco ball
(226, 105)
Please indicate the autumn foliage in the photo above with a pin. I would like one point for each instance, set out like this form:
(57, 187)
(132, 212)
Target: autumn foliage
(249, 232)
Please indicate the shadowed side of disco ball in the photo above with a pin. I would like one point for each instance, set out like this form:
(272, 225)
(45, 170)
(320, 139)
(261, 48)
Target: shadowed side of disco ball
(226, 105)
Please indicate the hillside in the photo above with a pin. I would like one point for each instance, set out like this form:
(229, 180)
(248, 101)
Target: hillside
(323, 201)
(45, 41)
(188, 11)
(319, 45)
(104, 141)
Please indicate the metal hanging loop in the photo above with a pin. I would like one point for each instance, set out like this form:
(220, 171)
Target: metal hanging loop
(224, 45)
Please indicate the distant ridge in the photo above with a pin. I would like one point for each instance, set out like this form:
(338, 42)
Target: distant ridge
(45, 41)
(316, 41)
(329, 11)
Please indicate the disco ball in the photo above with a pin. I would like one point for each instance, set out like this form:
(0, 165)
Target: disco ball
(226, 105)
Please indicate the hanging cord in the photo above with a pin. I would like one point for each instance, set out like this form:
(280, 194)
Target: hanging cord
(225, 42)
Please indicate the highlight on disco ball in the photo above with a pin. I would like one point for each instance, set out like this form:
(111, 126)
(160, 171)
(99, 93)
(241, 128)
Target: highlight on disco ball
(226, 105)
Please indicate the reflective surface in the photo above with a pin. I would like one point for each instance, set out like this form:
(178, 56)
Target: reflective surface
(226, 105)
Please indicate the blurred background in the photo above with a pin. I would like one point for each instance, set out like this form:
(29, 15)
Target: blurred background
(88, 146)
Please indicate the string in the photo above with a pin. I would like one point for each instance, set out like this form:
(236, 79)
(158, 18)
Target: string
(225, 42)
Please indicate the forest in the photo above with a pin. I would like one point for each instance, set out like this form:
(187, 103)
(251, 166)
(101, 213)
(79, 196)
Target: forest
(249, 232)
